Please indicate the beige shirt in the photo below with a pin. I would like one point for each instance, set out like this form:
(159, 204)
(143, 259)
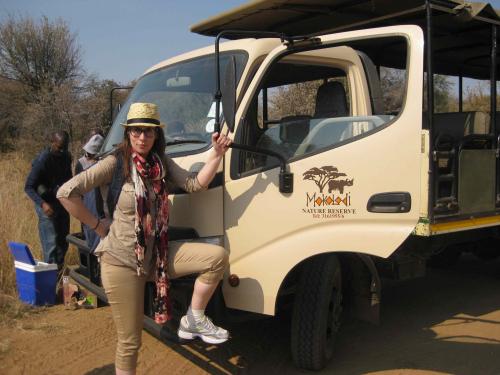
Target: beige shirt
(120, 241)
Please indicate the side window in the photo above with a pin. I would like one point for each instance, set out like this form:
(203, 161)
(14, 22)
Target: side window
(308, 98)
(312, 101)
(392, 83)
(291, 109)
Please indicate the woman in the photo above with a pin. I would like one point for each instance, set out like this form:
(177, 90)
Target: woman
(134, 247)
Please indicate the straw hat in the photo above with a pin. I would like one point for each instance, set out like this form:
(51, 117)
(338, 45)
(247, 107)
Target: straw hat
(143, 114)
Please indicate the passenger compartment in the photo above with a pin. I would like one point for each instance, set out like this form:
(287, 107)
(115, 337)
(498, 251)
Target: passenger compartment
(464, 155)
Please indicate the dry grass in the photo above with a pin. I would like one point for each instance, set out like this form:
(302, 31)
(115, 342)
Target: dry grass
(18, 220)
(12, 310)
(4, 346)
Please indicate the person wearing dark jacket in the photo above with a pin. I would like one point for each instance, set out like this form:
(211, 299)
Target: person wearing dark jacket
(50, 169)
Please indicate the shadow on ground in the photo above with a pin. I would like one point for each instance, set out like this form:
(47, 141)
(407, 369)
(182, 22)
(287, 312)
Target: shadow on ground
(447, 322)
(104, 370)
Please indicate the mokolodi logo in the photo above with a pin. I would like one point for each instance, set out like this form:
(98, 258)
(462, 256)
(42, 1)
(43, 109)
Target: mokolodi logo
(333, 203)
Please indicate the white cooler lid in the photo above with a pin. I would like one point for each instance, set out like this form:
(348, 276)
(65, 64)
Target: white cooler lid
(39, 267)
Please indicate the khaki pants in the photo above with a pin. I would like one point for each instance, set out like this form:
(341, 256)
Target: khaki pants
(125, 291)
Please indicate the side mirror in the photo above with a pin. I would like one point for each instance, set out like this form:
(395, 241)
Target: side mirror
(229, 94)
(113, 110)
(116, 110)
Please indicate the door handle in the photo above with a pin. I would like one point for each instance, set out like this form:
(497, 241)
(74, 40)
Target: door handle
(392, 202)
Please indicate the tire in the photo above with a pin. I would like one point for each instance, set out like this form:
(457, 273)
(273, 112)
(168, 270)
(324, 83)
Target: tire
(316, 313)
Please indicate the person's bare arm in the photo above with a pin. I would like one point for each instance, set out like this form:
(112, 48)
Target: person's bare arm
(220, 145)
(76, 208)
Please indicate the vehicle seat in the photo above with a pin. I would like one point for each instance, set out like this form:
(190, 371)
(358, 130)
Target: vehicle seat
(331, 101)
(461, 143)
(294, 129)
(460, 124)
(285, 137)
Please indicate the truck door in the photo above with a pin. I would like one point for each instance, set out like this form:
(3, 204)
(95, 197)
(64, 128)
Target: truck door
(346, 113)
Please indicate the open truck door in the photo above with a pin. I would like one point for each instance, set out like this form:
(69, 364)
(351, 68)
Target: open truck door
(356, 167)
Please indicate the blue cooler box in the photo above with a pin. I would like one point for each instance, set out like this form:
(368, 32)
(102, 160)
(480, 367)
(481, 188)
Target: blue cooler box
(36, 281)
(36, 284)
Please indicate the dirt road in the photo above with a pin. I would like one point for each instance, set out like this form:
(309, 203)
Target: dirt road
(446, 323)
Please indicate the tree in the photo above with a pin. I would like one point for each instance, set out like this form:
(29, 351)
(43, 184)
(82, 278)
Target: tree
(11, 110)
(293, 99)
(53, 110)
(321, 176)
(477, 97)
(43, 87)
(297, 98)
(93, 100)
(41, 55)
(392, 83)
(444, 101)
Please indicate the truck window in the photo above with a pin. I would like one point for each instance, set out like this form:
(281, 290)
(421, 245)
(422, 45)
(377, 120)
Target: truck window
(312, 101)
(294, 107)
(392, 84)
(184, 93)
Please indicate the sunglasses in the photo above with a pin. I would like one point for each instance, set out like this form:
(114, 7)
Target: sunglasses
(136, 131)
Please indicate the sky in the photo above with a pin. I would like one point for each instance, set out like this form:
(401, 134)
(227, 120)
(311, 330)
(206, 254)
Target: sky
(120, 39)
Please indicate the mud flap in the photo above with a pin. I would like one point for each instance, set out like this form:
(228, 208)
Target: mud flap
(363, 290)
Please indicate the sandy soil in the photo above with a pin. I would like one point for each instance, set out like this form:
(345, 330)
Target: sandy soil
(446, 323)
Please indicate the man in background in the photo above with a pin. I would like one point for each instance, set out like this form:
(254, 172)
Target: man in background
(50, 169)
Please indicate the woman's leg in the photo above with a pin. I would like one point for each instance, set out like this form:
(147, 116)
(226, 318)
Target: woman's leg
(202, 293)
(210, 262)
(207, 260)
(125, 292)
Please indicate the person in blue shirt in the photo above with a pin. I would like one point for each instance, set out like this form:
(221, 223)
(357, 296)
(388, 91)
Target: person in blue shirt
(93, 199)
(91, 149)
(50, 169)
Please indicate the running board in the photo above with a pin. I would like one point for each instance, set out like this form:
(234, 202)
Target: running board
(86, 283)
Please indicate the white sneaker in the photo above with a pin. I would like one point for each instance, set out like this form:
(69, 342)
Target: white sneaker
(206, 330)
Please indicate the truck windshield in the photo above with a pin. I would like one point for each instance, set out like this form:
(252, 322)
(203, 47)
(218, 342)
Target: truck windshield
(184, 93)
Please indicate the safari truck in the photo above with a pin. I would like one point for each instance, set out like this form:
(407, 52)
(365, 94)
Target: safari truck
(346, 166)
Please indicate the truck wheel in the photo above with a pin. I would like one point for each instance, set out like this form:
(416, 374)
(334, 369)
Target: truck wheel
(316, 313)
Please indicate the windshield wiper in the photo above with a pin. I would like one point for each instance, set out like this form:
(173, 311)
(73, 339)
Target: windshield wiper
(181, 141)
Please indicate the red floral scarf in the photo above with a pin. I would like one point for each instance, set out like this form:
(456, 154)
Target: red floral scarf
(153, 172)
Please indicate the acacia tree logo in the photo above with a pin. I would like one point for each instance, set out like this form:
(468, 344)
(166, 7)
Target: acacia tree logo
(322, 176)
